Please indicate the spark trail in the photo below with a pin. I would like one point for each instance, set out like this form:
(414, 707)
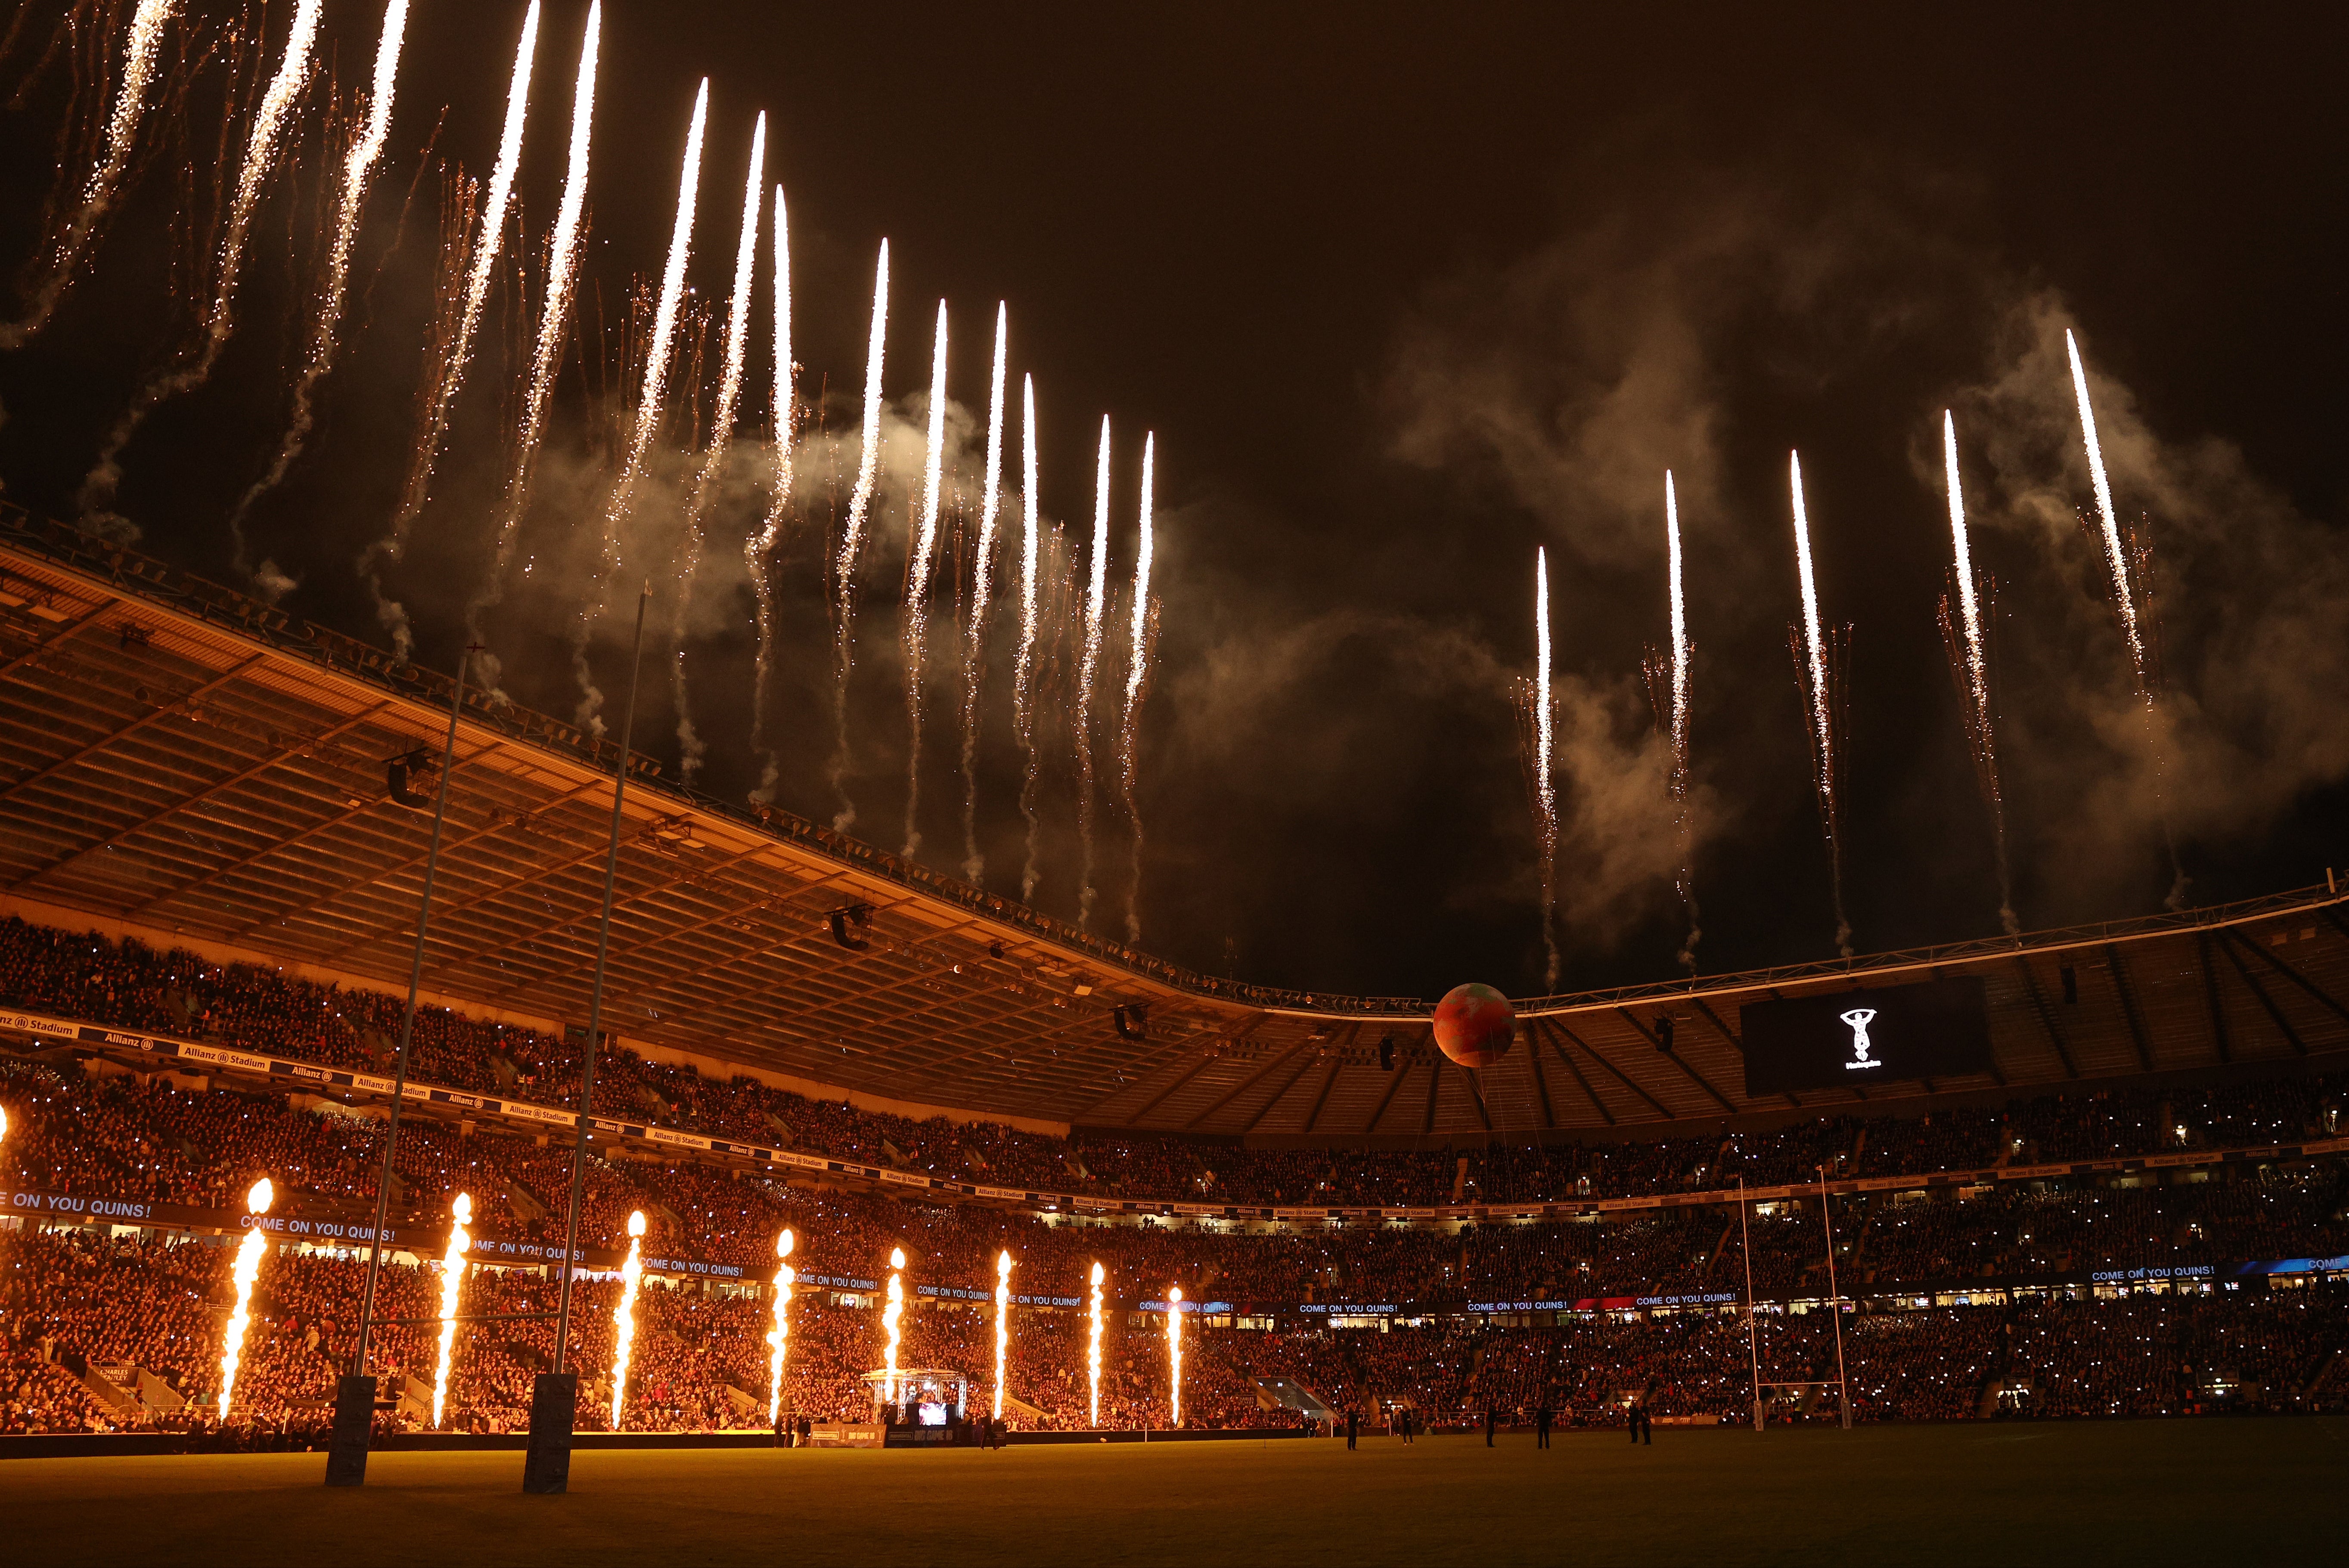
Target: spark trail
(852, 537)
(759, 550)
(139, 51)
(553, 323)
(1096, 600)
(1023, 694)
(1137, 680)
(2116, 557)
(650, 402)
(358, 168)
(1545, 737)
(433, 426)
(721, 441)
(219, 322)
(982, 588)
(1680, 725)
(1962, 636)
(1813, 663)
(921, 559)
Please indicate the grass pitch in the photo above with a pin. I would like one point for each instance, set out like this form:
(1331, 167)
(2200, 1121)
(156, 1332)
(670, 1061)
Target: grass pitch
(2145, 1491)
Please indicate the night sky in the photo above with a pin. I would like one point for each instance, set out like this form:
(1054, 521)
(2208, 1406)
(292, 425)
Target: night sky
(1403, 293)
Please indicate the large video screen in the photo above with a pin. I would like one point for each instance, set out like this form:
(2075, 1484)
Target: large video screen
(1855, 1039)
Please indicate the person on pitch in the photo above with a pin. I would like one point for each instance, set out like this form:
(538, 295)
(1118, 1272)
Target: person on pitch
(1492, 1418)
(1541, 1425)
(1354, 1421)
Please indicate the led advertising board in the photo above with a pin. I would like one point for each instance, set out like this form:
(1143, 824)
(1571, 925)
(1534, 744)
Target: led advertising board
(1857, 1039)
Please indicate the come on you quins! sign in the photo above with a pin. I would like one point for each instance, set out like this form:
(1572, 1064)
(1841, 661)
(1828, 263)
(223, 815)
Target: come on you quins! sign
(1840, 1039)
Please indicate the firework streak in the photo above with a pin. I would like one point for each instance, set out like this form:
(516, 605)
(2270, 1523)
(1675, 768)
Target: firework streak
(982, 587)
(1680, 723)
(1812, 662)
(1096, 599)
(921, 558)
(1023, 697)
(1962, 636)
(759, 550)
(860, 507)
(1545, 733)
(1138, 673)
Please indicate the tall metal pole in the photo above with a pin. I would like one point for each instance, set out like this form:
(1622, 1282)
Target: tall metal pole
(1753, 1345)
(596, 999)
(346, 1459)
(1835, 1307)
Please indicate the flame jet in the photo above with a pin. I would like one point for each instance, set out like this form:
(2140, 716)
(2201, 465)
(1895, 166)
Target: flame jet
(623, 1317)
(1174, 1349)
(759, 550)
(1963, 638)
(852, 537)
(721, 441)
(1093, 1345)
(1002, 1317)
(1023, 696)
(1096, 602)
(247, 1270)
(553, 323)
(779, 1337)
(1137, 680)
(433, 426)
(138, 50)
(325, 327)
(922, 558)
(261, 149)
(893, 1310)
(1813, 664)
(974, 866)
(452, 1280)
(650, 402)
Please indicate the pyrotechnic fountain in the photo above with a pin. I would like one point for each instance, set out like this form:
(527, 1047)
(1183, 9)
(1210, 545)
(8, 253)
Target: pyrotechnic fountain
(452, 1280)
(919, 561)
(1963, 639)
(1093, 1347)
(650, 402)
(261, 153)
(553, 323)
(1023, 698)
(139, 51)
(247, 1270)
(721, 441)
(860, 505)
(358, 168)
(1002, 1312)
(1096, 599)
(759, 550)
(974, 866)
(1137, 674)
(456, 354)
(893, 1310)
(1174, 1349)
(623, 1317)
(1821, 689)
(779, 1336)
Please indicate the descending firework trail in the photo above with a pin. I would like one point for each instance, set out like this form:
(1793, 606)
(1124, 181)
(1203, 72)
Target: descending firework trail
(1813, 664)
(139, 52)
(358, 168)
(1003, 1324)
(1544, 769)
(452, 1281)
(1680, 725)
(1023, 696)
(554, 321)
(246, 1271)
(982, 588)
(759, 550)
(1093, 1347)
(1137, 680)
(623, 1317)
(860, 507)
(1096, 599)
(722, 440)
(448, 376)
(779, 1336)
(2116, 557)
(261, 149)
(920, 559)
(650, 401)
(1962, 636)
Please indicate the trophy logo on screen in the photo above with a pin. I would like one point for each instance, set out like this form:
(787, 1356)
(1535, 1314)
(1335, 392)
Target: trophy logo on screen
(1858, 1018)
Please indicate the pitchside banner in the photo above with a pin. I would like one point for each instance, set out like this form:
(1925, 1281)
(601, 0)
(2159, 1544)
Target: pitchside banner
(1853, 1040)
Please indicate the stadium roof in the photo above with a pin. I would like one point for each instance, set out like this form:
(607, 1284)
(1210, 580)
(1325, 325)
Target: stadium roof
(186, 761)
